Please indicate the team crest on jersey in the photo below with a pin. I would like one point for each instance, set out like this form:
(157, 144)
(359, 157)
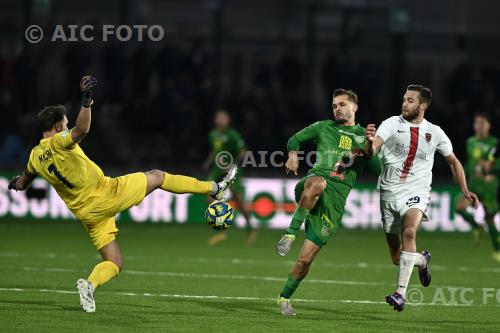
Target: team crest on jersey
(325, 231)
(359, 138)
(428, 137)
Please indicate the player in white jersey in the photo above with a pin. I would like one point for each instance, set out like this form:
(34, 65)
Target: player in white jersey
(407, 144)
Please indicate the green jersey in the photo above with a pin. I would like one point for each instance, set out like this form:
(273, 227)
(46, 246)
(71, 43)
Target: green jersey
(339, 151)
(228, 140)
(479, 151)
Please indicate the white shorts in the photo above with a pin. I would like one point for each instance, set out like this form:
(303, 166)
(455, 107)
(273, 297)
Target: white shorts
(393, 211)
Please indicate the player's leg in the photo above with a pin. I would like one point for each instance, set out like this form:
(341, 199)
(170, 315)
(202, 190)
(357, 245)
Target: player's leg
(394, 245)
(309, 191)
(321, 224)
(461, 209)
(299, 272)
(110, 266)
(238, 197)
(494, 235)
(103, 236)
(392, 225)
(184, 184)
(408, 258)
(177, 183)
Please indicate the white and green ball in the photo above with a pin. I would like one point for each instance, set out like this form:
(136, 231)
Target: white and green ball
(219, 215)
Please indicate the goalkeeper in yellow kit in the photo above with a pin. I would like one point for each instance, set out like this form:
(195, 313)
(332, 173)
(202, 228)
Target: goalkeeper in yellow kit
(92, 197)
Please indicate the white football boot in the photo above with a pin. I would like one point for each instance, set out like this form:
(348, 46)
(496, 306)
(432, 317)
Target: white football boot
(86, 292)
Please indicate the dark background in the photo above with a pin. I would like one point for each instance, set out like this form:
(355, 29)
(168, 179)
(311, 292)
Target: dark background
(272, 64)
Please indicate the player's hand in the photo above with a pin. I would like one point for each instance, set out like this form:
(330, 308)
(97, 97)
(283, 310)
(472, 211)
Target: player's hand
(472, 197)
(292, 164)
(87, 86)
(370, 132)
(13, 183)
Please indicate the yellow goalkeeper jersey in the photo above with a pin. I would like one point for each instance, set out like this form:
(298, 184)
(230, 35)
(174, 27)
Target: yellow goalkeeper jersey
(62, 162)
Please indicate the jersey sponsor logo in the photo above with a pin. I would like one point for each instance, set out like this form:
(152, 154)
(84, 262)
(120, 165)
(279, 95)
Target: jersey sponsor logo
(411, 154)
(346, 160)
(401, 149)
(345, 142)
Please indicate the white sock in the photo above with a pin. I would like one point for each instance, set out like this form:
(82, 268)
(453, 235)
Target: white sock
(420, 261)
(406, 263)
(215, 188)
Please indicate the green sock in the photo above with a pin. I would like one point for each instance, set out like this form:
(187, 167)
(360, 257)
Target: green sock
(289, 287)
(494, 236)
(298, 218)
(468, 218)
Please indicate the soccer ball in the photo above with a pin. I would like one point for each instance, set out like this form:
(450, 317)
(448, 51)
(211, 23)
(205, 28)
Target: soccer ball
(219, 215)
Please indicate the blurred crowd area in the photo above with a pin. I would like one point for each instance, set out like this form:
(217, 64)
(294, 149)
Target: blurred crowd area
(155, 101)
(154, 106)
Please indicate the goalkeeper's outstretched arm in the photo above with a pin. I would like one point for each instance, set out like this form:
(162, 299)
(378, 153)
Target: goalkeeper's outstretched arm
(82, 126)
(21, 182)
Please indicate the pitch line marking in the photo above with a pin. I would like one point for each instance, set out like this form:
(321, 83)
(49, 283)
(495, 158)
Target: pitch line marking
(239, 298)
(227, 276)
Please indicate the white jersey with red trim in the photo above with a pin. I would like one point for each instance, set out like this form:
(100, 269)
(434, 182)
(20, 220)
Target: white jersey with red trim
(407, 156)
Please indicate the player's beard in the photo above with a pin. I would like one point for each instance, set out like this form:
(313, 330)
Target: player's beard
(411, 114)
(345, 118)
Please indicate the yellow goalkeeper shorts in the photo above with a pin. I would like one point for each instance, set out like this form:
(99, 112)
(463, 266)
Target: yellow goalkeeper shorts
(111, 196)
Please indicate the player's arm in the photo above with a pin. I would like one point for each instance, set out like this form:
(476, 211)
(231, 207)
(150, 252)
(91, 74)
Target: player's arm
(375, 138)
(82, 126)
(373, 141)
(459, 175)
(21, 182)
(374, 165)
(310, 133)
(445, 148)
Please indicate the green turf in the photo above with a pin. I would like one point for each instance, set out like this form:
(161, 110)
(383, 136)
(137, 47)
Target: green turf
(168, 268)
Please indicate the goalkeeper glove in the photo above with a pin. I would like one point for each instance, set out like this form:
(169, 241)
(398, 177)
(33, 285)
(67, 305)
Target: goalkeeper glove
(87, 85)
(13, 183)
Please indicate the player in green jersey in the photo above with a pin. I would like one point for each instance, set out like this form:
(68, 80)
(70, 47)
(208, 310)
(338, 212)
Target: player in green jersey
(227, 146)
(322, 193)
(480, 151)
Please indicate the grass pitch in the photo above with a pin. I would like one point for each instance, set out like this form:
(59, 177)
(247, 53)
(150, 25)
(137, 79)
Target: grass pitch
(174, 282)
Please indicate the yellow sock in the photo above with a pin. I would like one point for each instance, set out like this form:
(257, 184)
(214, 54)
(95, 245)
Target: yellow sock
(184, 184)
(102, 273)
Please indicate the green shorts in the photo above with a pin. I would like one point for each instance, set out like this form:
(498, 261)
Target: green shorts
(324, 219)
(487, 196)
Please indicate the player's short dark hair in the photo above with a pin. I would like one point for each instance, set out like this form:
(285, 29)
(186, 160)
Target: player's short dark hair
(483, 115)
(51, 115)
(425, 93)
(351, 95)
